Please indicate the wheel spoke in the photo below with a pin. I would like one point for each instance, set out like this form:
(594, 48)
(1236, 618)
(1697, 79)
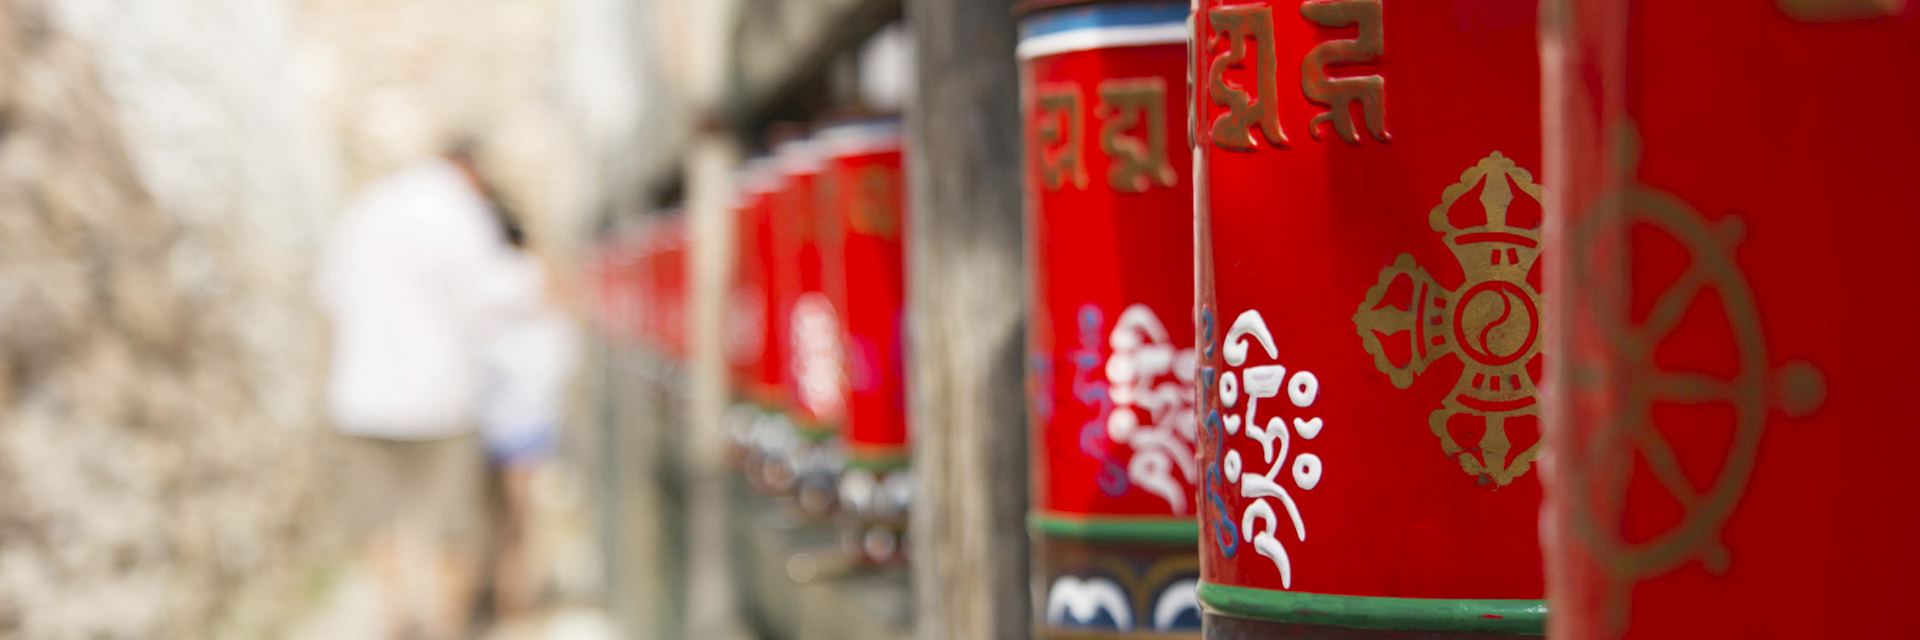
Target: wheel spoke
(1585, 377)
(1691, 388)
(1666, 467)
(1672, 306)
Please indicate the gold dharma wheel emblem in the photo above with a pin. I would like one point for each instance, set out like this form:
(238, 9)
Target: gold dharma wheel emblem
(1614, 392)
(1490, 323)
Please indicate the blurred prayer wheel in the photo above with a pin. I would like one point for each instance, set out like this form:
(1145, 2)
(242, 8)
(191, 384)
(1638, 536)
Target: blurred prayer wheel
(652, 296)
(862, 195)
(1111, 337)
(816, 397)
(1734, 217)
(619, 273)
(752, 348)
(669, 277)
(744, 341)
(1370, 297)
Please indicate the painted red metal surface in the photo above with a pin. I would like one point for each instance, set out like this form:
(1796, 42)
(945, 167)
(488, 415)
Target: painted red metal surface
(670, 277)
(1370, 296)
(660, 278)
(770, 368)
(863, 198)
(1734, 213)
(632, 285)
(749, 352)
(1110, 227)
(650, 314)
(1112, 288)
(616, 270)
(815, 392)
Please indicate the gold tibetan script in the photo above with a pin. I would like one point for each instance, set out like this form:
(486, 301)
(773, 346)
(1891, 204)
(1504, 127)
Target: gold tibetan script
(1236, 26)
(1841, 10)
(1060, 132)
(826, 203)
(1137, 164)
(1338, 94)
(794, 214)
(876, 202)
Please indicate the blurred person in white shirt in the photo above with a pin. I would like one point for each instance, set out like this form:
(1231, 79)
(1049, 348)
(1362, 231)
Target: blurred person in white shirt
(418, 278)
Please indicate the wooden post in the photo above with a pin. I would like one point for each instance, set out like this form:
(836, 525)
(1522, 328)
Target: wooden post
(967, 310)
(710, 160)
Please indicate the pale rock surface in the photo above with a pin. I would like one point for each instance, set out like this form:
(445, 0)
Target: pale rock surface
(168, 169)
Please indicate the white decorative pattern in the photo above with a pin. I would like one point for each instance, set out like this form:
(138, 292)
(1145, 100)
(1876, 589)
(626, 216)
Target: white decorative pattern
(1151, 384)
(816, 360)
(1258, 521)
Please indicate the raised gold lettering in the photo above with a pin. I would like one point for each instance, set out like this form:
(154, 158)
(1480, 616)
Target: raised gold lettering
(1242, 28)
(1338, 94)
(1137, 164)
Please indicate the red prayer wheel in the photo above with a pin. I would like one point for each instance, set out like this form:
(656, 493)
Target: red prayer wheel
(768, 433)
(649, 293)
(748, 315)
(646, 269)
(1727, 461)
(814, 380)
(1370, 293)
(631, 280)
(1111, 336)
(863, 198)
(615, 272)
(661, 306)
(669, 275)
(745, 334)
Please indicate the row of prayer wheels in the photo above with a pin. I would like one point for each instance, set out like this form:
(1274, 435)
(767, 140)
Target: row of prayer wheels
(815, 338)
(639, 278)
(1541, 317)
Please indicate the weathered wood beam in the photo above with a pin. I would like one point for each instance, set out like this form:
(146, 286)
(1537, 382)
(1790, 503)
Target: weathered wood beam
(966, 306)
(783, 47)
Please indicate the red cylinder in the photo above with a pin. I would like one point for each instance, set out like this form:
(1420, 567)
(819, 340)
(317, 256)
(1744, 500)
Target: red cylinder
(662, 286)
(1370, 295)
(812, 327)
(669, 282)
(765, 433)
(630, 282)
(651, 295)
(1732, 217)
(863, 195)
(646, 286)
(814, 380)
(1111, 335)
(752, 358)
(747, 343)
(769, 375)
(612, 270)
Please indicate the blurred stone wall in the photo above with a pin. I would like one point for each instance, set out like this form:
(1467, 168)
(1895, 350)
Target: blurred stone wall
(393, 82)
(163, 472)
(168, 170)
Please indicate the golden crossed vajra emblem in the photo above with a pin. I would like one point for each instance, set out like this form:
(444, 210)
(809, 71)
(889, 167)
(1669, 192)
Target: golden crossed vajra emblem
(1490, 323)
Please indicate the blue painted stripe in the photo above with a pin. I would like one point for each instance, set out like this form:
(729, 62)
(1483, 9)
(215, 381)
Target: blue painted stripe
(1103, 16)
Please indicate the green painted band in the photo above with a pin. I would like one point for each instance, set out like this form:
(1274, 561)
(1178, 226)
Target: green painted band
(814, 432)
(1517, 617)
(890, 461)
(759, 405)
(1116, 529)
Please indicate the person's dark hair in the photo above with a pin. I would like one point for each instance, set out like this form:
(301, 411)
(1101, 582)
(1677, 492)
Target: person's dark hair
(464, 151)
(510, 229)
